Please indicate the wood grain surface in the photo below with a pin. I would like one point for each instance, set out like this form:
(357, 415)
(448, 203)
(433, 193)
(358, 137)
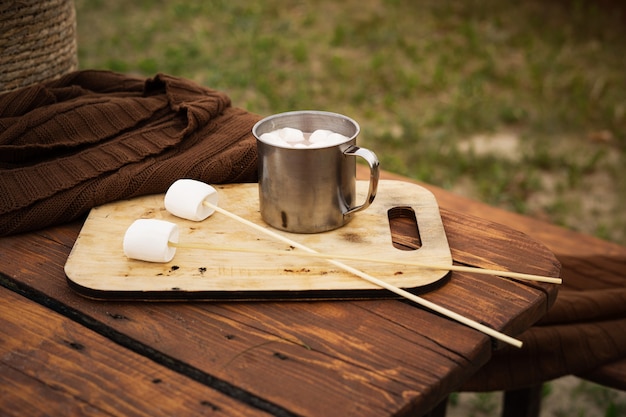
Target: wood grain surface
(369, 357)
(44, 361)
(97, 266)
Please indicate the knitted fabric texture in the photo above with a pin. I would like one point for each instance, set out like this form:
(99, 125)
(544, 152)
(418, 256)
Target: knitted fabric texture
(92, 137)
(584, 329)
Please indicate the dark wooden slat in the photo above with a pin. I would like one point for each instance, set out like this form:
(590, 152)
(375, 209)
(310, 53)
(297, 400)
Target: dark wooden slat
(293, 354)
(587, 262)
(52, 366)
(611, 375)
(24, 395)
(246, 344)
(473, 243)
(581, 255)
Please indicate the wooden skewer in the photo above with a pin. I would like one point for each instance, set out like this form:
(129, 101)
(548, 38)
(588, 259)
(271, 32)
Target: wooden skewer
(405, 294)
(319, 255)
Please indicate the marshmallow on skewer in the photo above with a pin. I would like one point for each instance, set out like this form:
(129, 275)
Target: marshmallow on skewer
(149, 240)
(185, 198)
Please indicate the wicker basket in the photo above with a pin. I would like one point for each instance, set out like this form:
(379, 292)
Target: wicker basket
(37, 41)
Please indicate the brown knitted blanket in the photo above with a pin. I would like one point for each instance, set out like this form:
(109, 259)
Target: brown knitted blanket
(94, 137)
(584, 329)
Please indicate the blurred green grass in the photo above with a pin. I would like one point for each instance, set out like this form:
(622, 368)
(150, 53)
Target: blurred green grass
(439, 87)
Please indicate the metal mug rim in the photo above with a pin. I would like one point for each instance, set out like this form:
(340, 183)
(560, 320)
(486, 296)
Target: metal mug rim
(305, 112)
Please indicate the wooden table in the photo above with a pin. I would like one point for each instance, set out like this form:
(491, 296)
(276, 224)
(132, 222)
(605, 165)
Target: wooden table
(378, 357)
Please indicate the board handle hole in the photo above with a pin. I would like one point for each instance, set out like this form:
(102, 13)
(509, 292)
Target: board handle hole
(405, 234)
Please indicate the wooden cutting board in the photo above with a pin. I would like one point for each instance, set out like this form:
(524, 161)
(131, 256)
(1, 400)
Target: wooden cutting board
(98, 268)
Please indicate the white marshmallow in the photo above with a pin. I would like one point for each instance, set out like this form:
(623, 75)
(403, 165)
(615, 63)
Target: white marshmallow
(185, 199)
(320, 135)
(289, 134)
(272, 138)
(288, 137)
(335, 139)
(148, 240)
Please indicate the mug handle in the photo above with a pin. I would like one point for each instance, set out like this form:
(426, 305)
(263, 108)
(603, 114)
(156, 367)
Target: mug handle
(372, 161)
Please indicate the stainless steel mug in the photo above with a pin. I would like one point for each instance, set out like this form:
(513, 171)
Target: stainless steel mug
(311, 190)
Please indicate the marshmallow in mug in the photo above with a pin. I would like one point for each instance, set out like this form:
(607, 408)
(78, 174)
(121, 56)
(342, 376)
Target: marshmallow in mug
(288, 137)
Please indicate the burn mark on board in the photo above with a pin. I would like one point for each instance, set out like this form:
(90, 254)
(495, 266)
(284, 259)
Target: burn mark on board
(352, 237)
(301, 270)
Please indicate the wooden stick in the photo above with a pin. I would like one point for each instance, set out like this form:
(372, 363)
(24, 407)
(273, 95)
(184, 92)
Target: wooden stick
(409, 296)
(319, 255)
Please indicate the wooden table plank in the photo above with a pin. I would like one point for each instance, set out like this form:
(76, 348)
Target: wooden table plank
(50, 365)
(581, 255)
(370, 357)
(587, 262)
(248, 345)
